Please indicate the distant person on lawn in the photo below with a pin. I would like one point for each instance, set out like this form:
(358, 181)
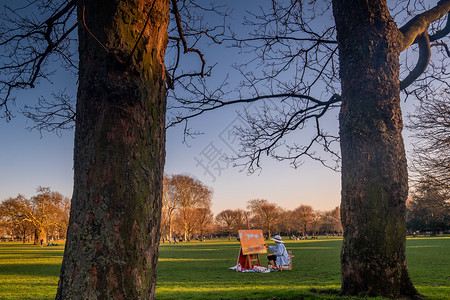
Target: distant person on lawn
(280, 256)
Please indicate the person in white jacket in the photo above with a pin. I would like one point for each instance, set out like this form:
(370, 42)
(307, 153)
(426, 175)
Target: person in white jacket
(280, 256)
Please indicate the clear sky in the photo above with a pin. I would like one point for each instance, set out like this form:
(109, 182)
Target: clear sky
(28, 160)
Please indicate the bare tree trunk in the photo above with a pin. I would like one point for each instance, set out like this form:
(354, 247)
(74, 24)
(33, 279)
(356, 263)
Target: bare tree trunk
(170, 227)
(39, 234)
(374, 174)
(36, 237)
(113, 235)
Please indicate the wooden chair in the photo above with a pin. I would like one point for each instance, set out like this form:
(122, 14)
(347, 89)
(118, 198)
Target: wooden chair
(289, 266)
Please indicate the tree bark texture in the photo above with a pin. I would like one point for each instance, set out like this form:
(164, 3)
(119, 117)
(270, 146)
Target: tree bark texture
(374, 170)
(112, 244)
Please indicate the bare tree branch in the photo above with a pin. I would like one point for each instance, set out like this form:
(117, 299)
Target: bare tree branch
(429, 124)
(415, 31)
(442, 45)
(190, 28)
(52, 116)
(422, 63)
(288, 60)
(265, 133)
(26, 46)
(419, 24)
(182, 38)
(213, 104)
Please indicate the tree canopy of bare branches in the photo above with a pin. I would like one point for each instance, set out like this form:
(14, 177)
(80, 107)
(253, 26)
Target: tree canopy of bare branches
(187, 199)
(264, 214)
(430, 125)
(429, 209)
(33, 34)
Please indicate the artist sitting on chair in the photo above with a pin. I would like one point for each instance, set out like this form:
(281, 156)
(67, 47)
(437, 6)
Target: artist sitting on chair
(280, 256)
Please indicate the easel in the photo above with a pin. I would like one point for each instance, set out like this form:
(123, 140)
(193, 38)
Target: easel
(247, 261)
(252, 244)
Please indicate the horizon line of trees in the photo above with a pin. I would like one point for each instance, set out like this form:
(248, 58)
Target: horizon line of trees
(428, 210)
(272, 219)
(187, 213)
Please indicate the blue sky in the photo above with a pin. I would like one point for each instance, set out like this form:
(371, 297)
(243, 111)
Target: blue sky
(28, 160)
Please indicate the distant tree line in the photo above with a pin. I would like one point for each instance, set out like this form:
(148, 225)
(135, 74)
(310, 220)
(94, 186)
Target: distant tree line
(42, 217)
(302, 221)
(187, 213)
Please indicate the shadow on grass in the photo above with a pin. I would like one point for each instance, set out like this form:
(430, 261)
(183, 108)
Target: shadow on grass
(325, 292)
(38, 270)
(247, 294)
(269, 294)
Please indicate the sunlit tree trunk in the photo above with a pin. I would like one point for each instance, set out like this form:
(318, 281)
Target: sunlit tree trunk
(36, 237)
(374, 174)
(112, 244)
(170, 228)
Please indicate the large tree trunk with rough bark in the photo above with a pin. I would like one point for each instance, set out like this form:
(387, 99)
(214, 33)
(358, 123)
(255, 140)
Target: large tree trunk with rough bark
(112, 244)
(374, 170)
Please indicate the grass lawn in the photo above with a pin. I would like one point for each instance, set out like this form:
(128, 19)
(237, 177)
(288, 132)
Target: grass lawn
(199, 270)
(29, 271)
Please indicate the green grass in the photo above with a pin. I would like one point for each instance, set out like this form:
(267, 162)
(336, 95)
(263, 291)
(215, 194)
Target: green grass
(429, 266)
(29, 271)
(199, 270)
(315, 264)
